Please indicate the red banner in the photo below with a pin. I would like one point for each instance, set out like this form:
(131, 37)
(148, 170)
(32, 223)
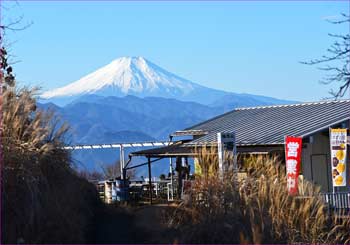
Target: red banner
(293, 158)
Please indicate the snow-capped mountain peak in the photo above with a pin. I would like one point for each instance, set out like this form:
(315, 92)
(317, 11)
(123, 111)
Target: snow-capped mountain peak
(127, 75)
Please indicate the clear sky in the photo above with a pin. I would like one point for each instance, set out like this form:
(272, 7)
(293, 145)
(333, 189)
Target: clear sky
(251, 47)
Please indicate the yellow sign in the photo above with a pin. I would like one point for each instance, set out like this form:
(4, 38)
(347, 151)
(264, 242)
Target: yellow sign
(338, 140)
(197, 167)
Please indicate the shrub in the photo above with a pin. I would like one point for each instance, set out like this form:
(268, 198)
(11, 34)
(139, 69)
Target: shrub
(43, 200)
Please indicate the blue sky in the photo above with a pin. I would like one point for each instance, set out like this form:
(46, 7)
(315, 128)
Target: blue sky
(249, 47)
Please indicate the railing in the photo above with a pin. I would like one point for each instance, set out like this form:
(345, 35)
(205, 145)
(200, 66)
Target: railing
(338, 201)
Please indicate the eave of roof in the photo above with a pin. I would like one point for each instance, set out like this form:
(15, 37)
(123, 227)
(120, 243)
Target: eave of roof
(179, 149)
(189, 132)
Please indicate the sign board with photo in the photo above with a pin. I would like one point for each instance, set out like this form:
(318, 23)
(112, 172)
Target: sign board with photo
(226, 142)
(338, 143)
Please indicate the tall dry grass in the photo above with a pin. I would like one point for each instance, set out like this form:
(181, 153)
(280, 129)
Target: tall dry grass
(257, 209)
(43, 200)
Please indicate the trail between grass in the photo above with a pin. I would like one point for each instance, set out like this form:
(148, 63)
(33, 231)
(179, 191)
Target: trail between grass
(144, 224)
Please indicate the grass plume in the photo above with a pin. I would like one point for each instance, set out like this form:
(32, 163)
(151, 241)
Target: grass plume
(43, 200)
(255, 209)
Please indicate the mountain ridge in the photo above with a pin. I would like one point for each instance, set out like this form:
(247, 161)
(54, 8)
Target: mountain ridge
(126, 75)
(140, 77)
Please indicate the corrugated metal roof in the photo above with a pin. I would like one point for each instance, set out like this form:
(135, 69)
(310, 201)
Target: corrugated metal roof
(270, 124)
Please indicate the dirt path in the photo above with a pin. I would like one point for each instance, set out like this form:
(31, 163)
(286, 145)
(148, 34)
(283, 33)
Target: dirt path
(151, 219)
(136, 225)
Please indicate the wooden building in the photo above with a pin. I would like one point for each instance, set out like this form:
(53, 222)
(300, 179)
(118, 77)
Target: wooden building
(263, 130)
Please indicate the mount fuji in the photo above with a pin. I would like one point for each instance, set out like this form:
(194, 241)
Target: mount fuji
(132, 99)
(134, 76)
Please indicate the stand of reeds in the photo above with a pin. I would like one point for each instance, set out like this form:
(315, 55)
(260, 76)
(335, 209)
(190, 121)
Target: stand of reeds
(43, 200)
(256, 209)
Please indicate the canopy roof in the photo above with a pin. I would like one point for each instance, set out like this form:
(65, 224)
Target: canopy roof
(181, 149)
(175, 149)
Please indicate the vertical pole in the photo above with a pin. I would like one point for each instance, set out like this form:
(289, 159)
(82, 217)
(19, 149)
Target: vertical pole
(187, 166)
(330, 147)
(121, 161)
(171, 173)
(220, 155)
(171, 179)
(235, 166)
(150, 179)
(179, 177)
(124, 174)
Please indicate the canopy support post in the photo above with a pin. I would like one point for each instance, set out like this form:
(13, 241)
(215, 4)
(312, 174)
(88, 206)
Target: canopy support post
(150, 179)
(171, 172)
(121, 161)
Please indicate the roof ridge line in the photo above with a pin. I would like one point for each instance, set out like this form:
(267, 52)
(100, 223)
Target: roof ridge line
(295, 104)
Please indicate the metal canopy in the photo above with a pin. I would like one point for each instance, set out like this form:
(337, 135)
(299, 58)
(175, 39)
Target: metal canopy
(121, 146)
(115, 145)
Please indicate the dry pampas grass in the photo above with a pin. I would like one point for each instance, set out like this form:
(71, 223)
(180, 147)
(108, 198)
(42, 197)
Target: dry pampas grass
(43, 200)
(255, 209)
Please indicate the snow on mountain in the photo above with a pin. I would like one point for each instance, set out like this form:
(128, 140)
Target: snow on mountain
(142, 78)
(127, 76)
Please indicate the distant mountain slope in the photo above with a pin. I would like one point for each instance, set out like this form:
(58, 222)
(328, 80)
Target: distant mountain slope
(97, 119)
(153, 116)
(93, 159)
(140, 77)
(233, 100)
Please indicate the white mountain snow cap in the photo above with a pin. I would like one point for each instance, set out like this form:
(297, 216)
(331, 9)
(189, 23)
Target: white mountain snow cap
(126, 75)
